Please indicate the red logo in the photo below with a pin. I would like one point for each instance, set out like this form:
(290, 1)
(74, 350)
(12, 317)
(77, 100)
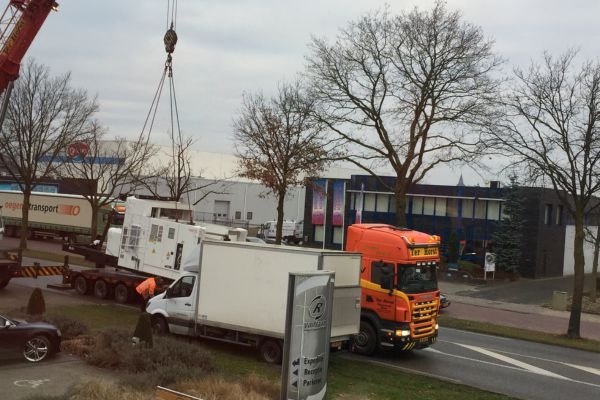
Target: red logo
(78, 149)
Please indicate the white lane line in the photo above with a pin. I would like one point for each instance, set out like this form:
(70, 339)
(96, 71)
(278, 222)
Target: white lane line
(512, 361)
(583, 368)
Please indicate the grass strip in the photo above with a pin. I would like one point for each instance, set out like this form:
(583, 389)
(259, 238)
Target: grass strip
(99, 316)
(519, 333)
(347, 379)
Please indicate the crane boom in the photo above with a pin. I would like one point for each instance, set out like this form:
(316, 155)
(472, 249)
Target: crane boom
(20, 22)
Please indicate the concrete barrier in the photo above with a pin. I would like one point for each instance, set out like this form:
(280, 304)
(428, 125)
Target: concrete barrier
(559, 300)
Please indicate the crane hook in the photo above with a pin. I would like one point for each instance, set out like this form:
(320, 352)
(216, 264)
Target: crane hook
(170, 40)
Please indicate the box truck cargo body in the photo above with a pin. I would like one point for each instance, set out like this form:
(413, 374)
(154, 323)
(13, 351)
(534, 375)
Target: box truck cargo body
(50, 214)
(237, 292)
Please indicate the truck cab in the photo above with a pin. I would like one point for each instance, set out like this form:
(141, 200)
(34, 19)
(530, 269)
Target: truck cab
(399, 293)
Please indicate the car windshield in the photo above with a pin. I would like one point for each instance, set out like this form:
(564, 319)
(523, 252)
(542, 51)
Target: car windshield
(417, 278)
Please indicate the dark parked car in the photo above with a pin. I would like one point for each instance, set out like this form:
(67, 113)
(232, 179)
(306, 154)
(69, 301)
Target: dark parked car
(35, 341)
(444, 301)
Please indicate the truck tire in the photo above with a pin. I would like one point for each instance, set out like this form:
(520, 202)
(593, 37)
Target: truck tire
(365, 341)
(271, 351)
(81, 285)
(121, 293)
(159, 325)
(4, 282)
(100, 289)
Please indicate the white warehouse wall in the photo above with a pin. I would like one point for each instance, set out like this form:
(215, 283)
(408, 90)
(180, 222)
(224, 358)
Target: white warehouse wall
(588, 251)
(246, 197)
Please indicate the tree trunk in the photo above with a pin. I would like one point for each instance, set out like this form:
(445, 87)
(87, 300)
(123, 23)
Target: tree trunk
(573, 330)
(279, 227)
(24, 221)
(593, 286)
(94, 225)
(400, 209)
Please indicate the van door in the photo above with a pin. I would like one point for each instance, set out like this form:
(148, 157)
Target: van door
(181, 305)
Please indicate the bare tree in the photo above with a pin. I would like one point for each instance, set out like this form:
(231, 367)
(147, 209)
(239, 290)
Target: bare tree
(552, 133)
(278, 142)
(43, 117)
(108, 166)
(176, 177)
(405, 91)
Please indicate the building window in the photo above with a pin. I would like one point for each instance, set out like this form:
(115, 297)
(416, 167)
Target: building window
(383, 203)
(370, 201)
(338, 235)
(548, 214)
(467, 208)
(417, 205)
(452, 208)
(249, 215)
(238, 215)
(559, 215)
(493, 210)
(440, 207)
(319, 233)
(428, 206)
(480, 208)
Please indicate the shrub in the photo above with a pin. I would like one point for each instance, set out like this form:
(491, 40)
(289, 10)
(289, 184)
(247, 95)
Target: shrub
(36, 304)
(168, 361)
(468, 266)
(69, 327)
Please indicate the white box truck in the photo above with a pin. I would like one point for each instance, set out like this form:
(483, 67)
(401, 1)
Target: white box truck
(237, 292)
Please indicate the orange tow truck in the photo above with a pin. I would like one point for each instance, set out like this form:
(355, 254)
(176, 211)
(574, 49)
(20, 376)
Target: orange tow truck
(400, 299)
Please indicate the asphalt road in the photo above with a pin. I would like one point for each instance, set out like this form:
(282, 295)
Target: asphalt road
(516, 368)
(53, 377)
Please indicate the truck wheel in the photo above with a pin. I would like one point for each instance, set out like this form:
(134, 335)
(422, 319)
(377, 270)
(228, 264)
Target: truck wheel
(100, 289)
(159, 325)
(4, 282)
(81, 285)
(121, 293)
(365, 342)
(270, 350)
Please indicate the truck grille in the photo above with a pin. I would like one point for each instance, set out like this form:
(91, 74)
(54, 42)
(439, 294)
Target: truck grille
(423, 318)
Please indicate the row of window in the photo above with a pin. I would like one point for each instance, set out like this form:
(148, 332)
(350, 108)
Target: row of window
(437, 206)
(551, 217)
(238, 215)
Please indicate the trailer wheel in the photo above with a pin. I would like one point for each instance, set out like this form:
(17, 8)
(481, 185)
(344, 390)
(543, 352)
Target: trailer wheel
(365, 342)
(4, 282)
(100, 289)
(270, 350)
(81, 285)
(159, 325)
(121, 293)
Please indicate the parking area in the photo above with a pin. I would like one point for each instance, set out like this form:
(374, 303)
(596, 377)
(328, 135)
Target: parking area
(20, 379)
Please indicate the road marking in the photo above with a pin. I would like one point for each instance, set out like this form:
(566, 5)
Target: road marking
(583, 368)
(512, 361)
(30, 383)
(432, 350)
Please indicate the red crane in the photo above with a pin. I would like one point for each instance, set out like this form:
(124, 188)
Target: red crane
(19, 24)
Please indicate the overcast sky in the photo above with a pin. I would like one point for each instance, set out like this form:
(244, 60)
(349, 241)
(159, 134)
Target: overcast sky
(114, 48)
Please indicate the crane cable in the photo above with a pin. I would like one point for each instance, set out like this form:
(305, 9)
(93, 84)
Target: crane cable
(169, 40)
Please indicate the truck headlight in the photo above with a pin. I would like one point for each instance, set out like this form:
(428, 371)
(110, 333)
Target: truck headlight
(402, 332)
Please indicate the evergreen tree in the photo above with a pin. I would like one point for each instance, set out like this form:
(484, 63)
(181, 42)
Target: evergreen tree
(36, 304)
(508, 239)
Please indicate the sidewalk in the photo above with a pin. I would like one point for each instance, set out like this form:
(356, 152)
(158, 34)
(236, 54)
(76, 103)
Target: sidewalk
(525, 316)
